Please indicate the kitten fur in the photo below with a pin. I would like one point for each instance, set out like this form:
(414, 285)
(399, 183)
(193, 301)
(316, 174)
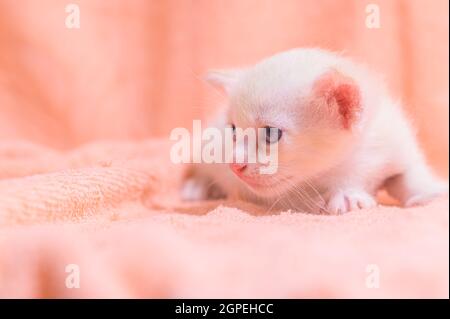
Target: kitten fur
(343, 138)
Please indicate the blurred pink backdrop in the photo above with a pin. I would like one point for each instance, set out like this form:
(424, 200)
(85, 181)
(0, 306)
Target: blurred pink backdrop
(133, 70)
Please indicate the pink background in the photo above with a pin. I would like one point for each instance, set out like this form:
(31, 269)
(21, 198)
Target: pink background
(133, 70)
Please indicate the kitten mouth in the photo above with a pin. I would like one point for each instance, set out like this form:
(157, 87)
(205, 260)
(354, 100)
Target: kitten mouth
(258, 183)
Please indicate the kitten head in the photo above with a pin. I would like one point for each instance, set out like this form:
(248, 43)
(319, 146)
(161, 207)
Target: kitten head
(307, 104)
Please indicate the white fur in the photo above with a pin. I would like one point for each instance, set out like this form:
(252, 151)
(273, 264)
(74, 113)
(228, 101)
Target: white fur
(327, 168)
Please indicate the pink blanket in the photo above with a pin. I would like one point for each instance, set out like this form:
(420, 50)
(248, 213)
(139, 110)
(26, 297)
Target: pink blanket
(104, 220)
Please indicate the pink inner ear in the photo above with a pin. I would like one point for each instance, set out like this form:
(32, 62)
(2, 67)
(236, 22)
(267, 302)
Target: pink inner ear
(348, 99)
(342, 93)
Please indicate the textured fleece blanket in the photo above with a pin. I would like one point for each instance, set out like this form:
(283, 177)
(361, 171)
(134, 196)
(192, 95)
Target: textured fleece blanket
(105, 220)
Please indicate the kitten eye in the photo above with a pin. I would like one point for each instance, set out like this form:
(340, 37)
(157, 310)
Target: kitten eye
(233, 130)
(233, 127)
(273, 134)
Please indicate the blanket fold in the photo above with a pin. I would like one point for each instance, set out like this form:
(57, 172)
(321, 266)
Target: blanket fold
(108, 215)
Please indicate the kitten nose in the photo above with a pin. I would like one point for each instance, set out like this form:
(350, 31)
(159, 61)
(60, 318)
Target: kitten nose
(238, 167)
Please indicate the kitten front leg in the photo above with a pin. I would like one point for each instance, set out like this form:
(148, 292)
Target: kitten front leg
(345, 199)
(416, 186)
(199, 185)
(194, 189)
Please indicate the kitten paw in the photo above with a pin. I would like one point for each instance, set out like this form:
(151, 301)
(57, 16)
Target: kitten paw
(439, 190)
(193, 189)
(347, 200)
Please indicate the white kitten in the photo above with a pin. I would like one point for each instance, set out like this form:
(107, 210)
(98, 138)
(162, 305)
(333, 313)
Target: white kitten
(341, 137)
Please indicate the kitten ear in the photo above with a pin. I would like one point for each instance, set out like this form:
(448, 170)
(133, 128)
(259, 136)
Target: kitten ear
(341, 95)
(224, 79)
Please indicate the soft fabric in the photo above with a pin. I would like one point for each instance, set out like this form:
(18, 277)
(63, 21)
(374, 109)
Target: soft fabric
(133, 71)
(112, 209)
